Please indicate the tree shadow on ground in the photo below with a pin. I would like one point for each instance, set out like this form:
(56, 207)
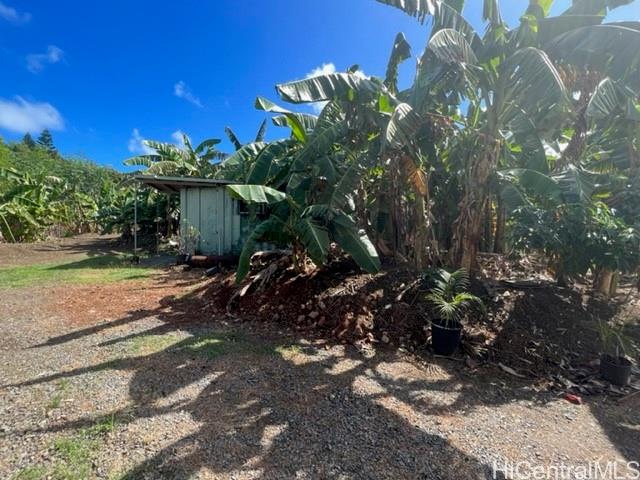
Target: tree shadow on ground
(273, 413)
(89, 245)
(307, 412)
(115, 260)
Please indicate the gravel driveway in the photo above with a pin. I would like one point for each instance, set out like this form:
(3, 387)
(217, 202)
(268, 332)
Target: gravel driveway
(137, 380)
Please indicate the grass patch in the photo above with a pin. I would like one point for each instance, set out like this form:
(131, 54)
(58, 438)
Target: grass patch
(30, 473)
(75, 453)
(104, 426)
(209, 346)
(288, 351)
(215, 345)
(75, 456)
(147, 344)
(99, 269)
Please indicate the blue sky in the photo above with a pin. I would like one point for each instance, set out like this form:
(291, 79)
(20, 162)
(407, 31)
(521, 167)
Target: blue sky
(104, 75)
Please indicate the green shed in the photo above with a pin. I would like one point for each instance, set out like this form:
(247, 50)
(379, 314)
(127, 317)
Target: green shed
(207, 209)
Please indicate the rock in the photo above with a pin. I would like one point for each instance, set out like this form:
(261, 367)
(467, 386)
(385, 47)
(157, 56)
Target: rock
(385, 338)
(301, 318)
(321, 305)
(313, 315)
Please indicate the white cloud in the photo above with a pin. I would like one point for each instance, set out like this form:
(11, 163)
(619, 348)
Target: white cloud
(325, 69)
(12, 15)
(178, 139)
(37, 61)
(21, 116)
(182, 90)
(136, 144)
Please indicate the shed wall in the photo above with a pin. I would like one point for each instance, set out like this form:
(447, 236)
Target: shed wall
(214, 214)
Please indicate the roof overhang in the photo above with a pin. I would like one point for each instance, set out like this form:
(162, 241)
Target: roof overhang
(175, 184)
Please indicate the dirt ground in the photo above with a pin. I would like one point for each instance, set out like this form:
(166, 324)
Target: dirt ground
(139, 379)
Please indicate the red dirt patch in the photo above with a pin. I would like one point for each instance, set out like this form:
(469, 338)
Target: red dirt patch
(533, 326)
(86, 305)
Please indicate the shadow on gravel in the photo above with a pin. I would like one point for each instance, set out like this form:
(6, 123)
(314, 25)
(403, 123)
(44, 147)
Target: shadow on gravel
(309, 413)
(274, 413)
(274, 418)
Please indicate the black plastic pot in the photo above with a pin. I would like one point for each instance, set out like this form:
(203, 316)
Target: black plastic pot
(615, 369)
(445, 337)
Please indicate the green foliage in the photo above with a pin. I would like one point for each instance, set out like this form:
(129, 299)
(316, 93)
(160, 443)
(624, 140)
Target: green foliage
(449, 295)
(541, 120)
(43, 194)
(28, 141)
(257, 194)
(576, 237)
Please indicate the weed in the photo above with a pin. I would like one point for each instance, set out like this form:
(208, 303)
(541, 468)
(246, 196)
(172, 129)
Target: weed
(56, 399)
(102, 427)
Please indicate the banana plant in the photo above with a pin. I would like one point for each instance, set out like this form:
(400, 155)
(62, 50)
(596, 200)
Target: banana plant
(310, 230)
(32, 204)
(171, 159)
(308, 181)
(233, 138)
(517, 96)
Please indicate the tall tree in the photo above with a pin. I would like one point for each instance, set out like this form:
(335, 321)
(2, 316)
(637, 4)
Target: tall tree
(45, 140)
(28, 141)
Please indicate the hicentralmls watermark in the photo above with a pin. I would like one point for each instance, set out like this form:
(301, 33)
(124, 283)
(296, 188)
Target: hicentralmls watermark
(591, 471)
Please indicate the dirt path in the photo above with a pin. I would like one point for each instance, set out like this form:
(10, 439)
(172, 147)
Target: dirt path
(137, 379)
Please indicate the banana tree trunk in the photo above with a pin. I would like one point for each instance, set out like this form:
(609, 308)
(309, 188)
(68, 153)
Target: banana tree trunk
(606, 282)
(487, 235)
(501, 218)
(422, 232)
(468, 227)
(396, 212)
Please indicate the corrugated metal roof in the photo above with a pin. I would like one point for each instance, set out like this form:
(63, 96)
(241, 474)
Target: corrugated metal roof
(174, 184)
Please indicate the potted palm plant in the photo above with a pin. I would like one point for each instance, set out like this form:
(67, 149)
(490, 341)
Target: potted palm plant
(451, 301)
(614, 364)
